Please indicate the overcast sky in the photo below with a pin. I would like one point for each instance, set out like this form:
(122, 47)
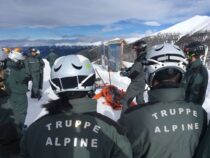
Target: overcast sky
(68, 18)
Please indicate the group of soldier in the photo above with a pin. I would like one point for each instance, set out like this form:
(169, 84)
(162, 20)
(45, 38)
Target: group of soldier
(172, 124)
(17, 69)
(196, 77)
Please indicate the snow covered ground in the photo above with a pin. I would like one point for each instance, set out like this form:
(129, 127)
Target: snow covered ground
(34, 106)
(195, 24)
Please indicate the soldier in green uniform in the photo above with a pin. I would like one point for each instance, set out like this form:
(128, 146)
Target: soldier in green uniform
(51, 57)
(17, 81)
(196, 77)
(136, 74)
(9, 137)
(35, 66)
(168, 127)
(73, 128)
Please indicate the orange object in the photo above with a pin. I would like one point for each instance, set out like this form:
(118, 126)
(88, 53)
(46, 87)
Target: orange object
(112, 96)
(19, 50)
(6, 50)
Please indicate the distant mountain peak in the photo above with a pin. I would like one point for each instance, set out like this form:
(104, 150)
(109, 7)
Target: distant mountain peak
(195, 24)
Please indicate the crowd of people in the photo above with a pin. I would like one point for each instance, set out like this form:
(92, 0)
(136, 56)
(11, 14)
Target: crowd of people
(172, 124)
(17, 69)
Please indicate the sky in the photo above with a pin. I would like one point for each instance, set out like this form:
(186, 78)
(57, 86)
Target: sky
(93, 20)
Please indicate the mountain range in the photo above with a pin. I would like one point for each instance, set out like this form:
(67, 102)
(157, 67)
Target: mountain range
(189, 27)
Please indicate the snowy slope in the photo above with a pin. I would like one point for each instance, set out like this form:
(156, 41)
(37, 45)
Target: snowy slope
(190, 26)
(34, 107)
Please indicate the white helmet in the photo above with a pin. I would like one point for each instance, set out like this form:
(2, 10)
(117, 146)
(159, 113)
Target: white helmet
(72, 73)
(16, 55)
(38, 52)
(162, 57)
(35, 51)
(3, 55)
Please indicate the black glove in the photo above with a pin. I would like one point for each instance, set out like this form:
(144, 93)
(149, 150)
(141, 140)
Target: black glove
(124, 73)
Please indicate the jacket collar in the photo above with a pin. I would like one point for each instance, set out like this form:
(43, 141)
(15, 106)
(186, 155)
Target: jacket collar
(166, 94)
(83, 105)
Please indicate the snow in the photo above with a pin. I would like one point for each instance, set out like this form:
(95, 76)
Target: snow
(34, 106)
(190, 26)
(132, 39)
(127, 40)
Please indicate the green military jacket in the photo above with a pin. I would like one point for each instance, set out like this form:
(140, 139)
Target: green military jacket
(167, 127)
(196, 80)
(17, 79)
(10, 63)
(9, 144)
(136, 72)
(203, 150)
(51, 58)
(34, 64)
(76, 133)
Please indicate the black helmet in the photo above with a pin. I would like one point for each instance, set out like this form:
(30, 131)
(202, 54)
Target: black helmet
(140, 45)
(195, 49)
(31, 49)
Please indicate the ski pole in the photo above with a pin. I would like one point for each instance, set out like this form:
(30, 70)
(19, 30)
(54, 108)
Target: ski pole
(205, 54)
(110, 78)
(100, 77)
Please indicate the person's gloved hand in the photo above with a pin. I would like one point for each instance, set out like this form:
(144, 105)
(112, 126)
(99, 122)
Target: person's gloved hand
(124, 73)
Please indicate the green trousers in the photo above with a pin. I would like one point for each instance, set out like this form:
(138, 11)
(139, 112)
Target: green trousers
(19, 104)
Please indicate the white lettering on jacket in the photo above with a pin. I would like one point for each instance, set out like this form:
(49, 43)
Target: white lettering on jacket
(75, 142)
(75, 124)
(78, 125)
(175, 113)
